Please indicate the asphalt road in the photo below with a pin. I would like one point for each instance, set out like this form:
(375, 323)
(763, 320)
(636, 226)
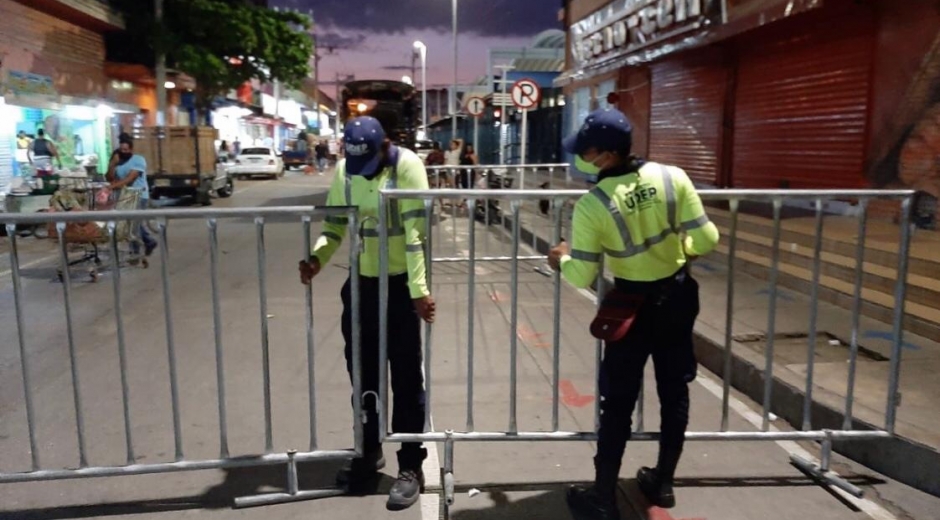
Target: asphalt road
(504, 480)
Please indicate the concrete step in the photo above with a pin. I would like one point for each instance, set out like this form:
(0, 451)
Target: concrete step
(839, 238)
(920, 319)
(921, 289)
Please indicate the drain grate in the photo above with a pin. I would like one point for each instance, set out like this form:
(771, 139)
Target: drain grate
(791, 347)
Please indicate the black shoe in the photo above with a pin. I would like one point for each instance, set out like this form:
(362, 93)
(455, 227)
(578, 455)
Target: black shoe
(587, 504)
(656, 492)
(406, 490)
(358, 472)
(148, 248)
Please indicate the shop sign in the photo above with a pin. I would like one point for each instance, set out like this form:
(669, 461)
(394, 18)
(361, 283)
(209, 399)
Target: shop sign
(20, 83)
(625, 26)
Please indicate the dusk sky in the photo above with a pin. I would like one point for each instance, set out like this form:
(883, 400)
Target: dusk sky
(373, 38)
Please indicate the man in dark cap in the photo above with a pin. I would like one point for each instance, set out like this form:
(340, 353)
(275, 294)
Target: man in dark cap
(646, 221)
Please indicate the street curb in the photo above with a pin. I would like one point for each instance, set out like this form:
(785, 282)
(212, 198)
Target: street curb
(901, 459)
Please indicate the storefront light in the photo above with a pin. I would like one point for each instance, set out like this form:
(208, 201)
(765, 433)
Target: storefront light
(81, 113)
(169, 85)
(104, 111)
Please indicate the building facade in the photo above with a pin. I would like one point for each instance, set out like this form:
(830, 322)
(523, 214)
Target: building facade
(768, 93)
(52, 77)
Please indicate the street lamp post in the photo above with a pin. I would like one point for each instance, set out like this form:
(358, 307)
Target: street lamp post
(423, 50)
(453, 95)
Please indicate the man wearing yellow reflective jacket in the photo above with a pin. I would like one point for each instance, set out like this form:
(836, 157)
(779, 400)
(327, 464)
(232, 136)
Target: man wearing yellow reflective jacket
(646, 222)
(371, 164)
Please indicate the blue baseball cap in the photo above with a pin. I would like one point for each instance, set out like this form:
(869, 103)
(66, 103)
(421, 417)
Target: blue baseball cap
(607, 129)
(363, 138)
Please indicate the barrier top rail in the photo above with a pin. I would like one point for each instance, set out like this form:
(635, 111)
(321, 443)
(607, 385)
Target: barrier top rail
(171, 213)
(497, 166)
(709, 194)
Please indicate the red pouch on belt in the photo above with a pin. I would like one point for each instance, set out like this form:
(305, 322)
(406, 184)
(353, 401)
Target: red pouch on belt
(616, 315)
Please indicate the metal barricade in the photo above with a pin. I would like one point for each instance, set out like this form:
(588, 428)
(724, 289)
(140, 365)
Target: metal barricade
(225, 459)
(559, 199)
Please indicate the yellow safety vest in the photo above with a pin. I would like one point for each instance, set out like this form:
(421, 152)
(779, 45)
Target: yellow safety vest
(646, 223)
(406, 220)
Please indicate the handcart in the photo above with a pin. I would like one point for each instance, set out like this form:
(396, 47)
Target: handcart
(91, 238)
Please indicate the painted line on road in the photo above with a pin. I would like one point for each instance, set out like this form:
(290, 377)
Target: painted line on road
(870, 508)
(27, 265)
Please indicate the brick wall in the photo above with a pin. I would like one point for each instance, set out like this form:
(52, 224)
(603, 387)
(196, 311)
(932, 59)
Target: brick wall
(31, 41)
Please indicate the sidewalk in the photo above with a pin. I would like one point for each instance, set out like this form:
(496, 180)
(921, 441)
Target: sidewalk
(913, 459)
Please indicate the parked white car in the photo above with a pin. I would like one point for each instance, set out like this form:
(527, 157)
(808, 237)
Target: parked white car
(257, 161)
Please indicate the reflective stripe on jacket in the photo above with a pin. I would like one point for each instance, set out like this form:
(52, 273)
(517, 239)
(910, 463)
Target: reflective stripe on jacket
(646, 223)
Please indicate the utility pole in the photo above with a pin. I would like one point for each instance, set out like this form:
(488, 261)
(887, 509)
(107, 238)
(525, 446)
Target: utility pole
(453, 96)
(339, 108)
(161, 65)
(316, 72)
(502, 112)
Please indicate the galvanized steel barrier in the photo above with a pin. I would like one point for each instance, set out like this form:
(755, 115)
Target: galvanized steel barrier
(559, 198)
(225, 459)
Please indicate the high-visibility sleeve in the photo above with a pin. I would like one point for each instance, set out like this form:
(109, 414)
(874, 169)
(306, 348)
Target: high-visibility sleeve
(701, 234)
(581, 266)
(413, 176)
(334, 227)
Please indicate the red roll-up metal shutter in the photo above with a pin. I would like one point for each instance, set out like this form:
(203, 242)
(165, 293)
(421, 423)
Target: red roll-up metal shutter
(686, 111)
(802, 107)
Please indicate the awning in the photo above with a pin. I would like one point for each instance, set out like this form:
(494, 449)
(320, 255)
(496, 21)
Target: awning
(61, 102)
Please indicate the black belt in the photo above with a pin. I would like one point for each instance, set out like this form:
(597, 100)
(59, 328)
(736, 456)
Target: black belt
(656, 291)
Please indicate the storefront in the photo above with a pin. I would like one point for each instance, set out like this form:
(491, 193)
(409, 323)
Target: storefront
(82, 130)
(743, 93)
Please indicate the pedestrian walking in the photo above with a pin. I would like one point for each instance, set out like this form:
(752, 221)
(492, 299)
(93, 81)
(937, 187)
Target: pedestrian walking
(323, 156)
(648, 222)
(128, 169)
(42, 151)
(373, 163)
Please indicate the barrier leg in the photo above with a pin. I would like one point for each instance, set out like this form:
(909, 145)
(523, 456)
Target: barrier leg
(293, 494)
(821, 471)
(449, 469)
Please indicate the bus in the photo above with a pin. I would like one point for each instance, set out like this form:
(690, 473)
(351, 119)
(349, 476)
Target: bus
(393, 103)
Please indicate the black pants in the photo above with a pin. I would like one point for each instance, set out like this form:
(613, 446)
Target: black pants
(404, 356)
(663, 330)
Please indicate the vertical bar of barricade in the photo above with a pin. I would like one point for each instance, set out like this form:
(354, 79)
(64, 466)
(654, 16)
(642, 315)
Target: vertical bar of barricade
(856, 311)
(311, 359)
(70, 333)
(170, 343)
(217, 328)
(900, 297)
(771, 318)
(382, 405)
(471, 306)
(729, 314)
(21, 338)
(265, 353)
(454, 212)
(355, 301)
(599, 349)
(813, 312)
(514, 317)
(122, 348)
(429, 267)
(556, 318)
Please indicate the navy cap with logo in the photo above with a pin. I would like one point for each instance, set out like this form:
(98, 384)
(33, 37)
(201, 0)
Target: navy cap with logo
(363, 138)
(607, 129)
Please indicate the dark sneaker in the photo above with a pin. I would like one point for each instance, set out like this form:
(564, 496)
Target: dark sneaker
(358, 472)
(587, 504)
(656, 492)
(406, 489)
(148, 248)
